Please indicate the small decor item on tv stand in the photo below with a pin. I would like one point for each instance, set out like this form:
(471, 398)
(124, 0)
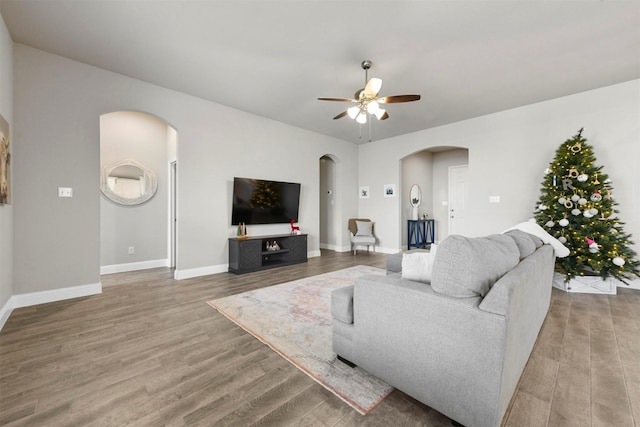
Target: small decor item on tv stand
(242, 231)
(273, 246)
(295, 229)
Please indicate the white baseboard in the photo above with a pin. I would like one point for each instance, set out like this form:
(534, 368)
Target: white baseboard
(200, 271)
(42, 297)
(133, 266)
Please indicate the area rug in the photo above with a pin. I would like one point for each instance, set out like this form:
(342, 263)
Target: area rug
(294, 319)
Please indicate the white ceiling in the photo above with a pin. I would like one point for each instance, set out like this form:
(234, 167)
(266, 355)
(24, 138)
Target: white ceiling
(275, 58)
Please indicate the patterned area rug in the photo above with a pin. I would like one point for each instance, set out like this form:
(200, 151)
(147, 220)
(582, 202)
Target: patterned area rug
(294, 319)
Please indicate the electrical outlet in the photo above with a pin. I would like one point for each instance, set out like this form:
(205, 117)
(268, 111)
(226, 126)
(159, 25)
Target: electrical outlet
(494, 199)
(132, 250)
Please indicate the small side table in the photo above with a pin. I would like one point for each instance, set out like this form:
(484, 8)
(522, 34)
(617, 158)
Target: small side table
(420, 233)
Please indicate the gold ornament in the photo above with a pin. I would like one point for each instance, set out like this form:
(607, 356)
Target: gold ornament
(573, 173)
(576, 148)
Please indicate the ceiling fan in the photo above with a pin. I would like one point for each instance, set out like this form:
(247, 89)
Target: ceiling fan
(367, 100)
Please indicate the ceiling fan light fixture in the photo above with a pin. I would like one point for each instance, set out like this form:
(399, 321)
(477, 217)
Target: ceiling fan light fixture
(373, 107)
(353, 111)
(380, 113)
(362, 118)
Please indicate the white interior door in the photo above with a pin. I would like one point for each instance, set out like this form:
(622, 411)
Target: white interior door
(458, 187)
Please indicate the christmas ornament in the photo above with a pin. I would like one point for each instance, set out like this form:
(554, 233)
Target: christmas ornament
(576, 211)
(583, 177)
(561, 200)
(596, 197)
(573, 173)
(568, 204)
(575, 148)
(593, 211)
(595, 181)
(575, 197)
(618, 261)
(593, 246)
(587, 214)
(563, 222)
(562, 239)
(582, 201)
(542, 207)
(550, 224)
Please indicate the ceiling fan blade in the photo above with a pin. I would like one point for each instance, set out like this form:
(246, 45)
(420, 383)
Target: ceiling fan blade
(337, 99)
(398, 98)
(341, 115)
(385, 116)
(372, 88)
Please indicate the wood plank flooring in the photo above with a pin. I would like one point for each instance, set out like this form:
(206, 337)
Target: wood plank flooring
(150, 352)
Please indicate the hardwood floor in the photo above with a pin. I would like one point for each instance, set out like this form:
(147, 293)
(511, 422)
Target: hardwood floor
(149, 351)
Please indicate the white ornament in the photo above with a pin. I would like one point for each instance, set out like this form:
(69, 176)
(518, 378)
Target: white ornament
(550, 224)
(561, 200)
(596, 197)
(542, 207)
(618, 261)
(575, 197)
(613, 216)
(547, 170)
(562, 239)
(593, 211)
(563, 222)
(576, 212)
(613, 231)
(594, 250)
(587, 214)
(583, 177)
(607, 181)
(582, 201)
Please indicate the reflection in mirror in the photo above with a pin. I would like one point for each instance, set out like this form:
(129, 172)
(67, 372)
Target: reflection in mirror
(128, 183)
(415, 195)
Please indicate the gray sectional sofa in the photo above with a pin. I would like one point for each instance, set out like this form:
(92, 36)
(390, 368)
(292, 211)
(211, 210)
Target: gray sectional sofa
(459, 340)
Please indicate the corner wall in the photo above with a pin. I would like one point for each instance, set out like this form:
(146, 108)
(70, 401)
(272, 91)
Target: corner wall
(6, 211)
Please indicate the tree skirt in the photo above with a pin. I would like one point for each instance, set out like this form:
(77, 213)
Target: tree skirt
(294, 319)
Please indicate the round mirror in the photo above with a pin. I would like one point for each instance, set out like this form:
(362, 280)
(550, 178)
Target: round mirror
(415, 195)
(128, 183)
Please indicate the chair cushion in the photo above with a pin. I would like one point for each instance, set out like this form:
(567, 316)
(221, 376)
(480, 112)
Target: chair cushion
(468, 267)
(342, 304)
(363, 240)
(365, 228)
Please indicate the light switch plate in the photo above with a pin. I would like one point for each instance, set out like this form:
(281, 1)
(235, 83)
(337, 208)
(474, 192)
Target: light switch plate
(65, 192)
(494, 199)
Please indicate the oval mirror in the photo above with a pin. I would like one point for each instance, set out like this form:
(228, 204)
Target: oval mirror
(128, 183)
(415, 195)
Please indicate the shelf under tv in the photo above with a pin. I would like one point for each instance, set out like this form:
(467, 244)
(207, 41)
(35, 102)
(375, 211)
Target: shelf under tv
(248, 254)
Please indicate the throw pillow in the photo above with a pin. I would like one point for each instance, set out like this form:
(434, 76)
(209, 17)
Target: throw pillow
(467, 267)
(365, 228)
(534, 229)
(417, 266)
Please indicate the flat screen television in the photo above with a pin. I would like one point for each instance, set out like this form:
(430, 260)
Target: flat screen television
(257, 201)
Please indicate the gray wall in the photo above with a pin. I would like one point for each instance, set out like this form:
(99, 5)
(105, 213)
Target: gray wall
(508, 153)
(58, 103)
(6, 211)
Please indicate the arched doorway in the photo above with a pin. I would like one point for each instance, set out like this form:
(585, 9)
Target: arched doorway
(138, 236)
(328, 222)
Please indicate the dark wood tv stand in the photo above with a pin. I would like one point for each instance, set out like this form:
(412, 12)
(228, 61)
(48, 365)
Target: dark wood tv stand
(247, 254)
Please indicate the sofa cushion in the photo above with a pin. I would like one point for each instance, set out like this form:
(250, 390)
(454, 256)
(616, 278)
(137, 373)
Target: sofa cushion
(342, 304)
(468, 267)
(525, 242)
(417, 266)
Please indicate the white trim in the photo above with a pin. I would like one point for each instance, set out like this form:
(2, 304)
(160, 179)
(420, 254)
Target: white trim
(133, 266)
(633, 284)
(200, 271)
(43, 297)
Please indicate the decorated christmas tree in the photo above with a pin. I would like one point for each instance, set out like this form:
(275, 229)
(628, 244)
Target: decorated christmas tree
(578, 208)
